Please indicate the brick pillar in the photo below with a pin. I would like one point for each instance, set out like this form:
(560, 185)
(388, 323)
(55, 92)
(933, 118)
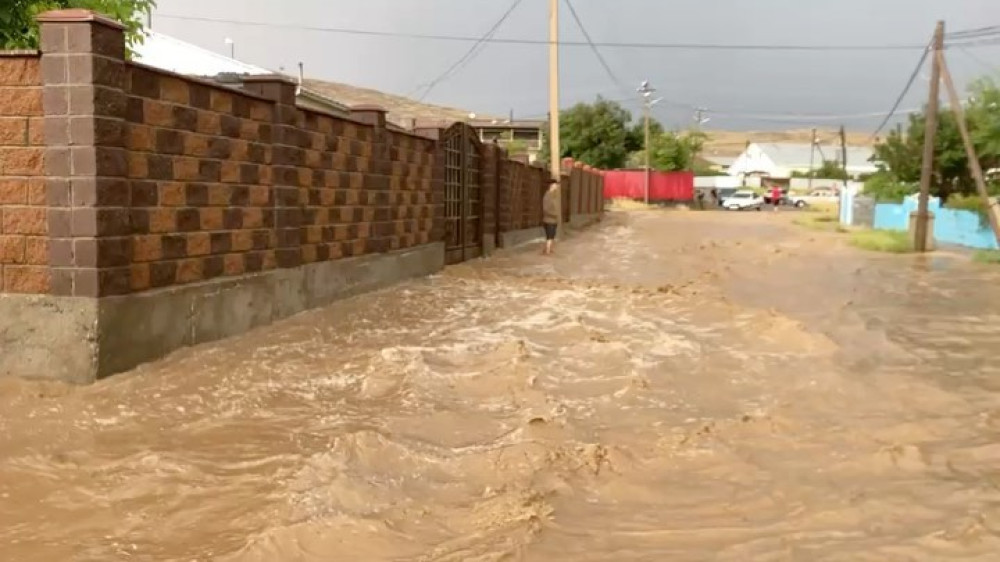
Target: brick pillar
(287, 156)
(83, 77)
(437, 188)
(377, 181)
(490, 184)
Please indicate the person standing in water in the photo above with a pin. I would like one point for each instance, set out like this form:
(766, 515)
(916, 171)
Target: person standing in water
(550, 215)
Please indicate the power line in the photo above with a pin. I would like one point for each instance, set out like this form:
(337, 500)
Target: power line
(593, 47)
(992, 30)
(472, 52)
(983, 63)
(902, 95)
(516, 41)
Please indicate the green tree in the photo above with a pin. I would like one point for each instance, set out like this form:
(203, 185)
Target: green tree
(671, 151)
(18, 29)
(901, 154)
(597, 134)
(828, 170)
(636, 140)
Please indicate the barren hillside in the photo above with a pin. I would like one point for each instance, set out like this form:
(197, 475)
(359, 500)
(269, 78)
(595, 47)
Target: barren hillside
(732, 143)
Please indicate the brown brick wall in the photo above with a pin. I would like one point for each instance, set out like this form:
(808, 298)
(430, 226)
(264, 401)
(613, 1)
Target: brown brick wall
(117, 178)
(411, 189)
(362, 189)
(24, 244)
(200, 180)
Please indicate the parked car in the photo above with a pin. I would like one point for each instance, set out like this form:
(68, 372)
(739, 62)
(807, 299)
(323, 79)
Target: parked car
(725, 193)
(743, 200)
(793, 200)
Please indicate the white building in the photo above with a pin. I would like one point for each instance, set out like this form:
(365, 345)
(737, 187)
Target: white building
(169, 53)
(782, 160)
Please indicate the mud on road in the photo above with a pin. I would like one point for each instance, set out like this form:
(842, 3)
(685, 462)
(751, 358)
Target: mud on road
(670, 386)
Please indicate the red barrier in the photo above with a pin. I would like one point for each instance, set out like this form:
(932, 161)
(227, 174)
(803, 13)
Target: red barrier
(663, 186)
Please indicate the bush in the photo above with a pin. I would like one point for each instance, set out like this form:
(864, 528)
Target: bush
(890, 241)
(987, 256)
(971, 203)
(884, 189)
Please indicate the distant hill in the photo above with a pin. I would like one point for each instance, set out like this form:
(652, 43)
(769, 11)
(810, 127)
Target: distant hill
(732, 143)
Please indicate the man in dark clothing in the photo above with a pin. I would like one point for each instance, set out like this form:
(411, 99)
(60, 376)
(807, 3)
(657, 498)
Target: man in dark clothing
(550, 215)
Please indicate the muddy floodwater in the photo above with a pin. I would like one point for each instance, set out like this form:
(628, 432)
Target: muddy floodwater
(671, 386)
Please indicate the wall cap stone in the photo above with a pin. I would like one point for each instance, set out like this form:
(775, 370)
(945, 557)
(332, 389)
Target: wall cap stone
(78, 15)
(20, 53)
(369, 108)
(256, 78)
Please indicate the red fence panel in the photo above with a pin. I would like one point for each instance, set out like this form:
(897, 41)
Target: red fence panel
(663, 186)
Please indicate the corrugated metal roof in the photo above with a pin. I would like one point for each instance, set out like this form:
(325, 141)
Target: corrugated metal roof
(169, 53)
(797, 156)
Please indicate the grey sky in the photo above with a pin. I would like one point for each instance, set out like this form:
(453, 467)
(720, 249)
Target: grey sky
(751, 85)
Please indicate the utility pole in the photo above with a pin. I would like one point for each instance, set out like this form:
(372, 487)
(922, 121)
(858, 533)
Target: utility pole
(746, 164)
(700, 119)
(812, 156)
(930, 132)
(847, 176)
(970, 150)
(647, 104)
(555, 151)
(645, 111)
(843, 154)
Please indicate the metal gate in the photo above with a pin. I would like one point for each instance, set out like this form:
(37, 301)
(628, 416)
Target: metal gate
(463, 194)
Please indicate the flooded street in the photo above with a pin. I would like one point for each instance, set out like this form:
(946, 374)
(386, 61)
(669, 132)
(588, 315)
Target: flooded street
(671, 386)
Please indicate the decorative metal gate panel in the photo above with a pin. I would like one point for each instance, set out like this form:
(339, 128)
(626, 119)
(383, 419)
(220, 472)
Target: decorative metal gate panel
(463, 197)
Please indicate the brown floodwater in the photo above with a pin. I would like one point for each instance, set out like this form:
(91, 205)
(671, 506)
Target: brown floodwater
(671, 386)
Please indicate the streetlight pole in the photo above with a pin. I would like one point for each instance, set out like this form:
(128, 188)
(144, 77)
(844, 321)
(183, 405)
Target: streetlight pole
(647, 91)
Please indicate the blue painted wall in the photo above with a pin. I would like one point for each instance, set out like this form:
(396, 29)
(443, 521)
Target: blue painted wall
(950, 226)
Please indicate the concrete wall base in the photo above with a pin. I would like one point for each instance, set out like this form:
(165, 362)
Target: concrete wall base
(48, 337)
(583, 221)
(489, 244)
(515, 238)
(80, 340)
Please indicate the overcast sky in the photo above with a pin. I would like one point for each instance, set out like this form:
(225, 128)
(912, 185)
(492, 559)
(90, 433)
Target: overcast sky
(743, 89)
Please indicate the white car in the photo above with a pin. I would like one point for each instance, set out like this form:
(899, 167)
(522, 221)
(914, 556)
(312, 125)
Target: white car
(743, 200)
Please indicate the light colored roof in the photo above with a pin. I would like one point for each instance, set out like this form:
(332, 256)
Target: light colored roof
(168, 53)
(171, 54)
(797, 156)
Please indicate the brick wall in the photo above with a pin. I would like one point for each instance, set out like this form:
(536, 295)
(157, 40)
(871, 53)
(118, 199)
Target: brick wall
(24, 245)
(117, 178)
(200, 181)
(227, 182)
(521, 188)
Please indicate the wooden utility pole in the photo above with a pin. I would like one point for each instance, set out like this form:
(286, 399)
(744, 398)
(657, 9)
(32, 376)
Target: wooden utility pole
(843, 154)
(555, 150)
(646, 91)
(970, 150)
(812, 156)
(746, 152)
(645, 112)
(930, 132)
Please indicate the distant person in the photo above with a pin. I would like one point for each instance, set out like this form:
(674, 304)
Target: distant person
(715, 197)
(550, 215)
(776, 197)
(701, 200)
